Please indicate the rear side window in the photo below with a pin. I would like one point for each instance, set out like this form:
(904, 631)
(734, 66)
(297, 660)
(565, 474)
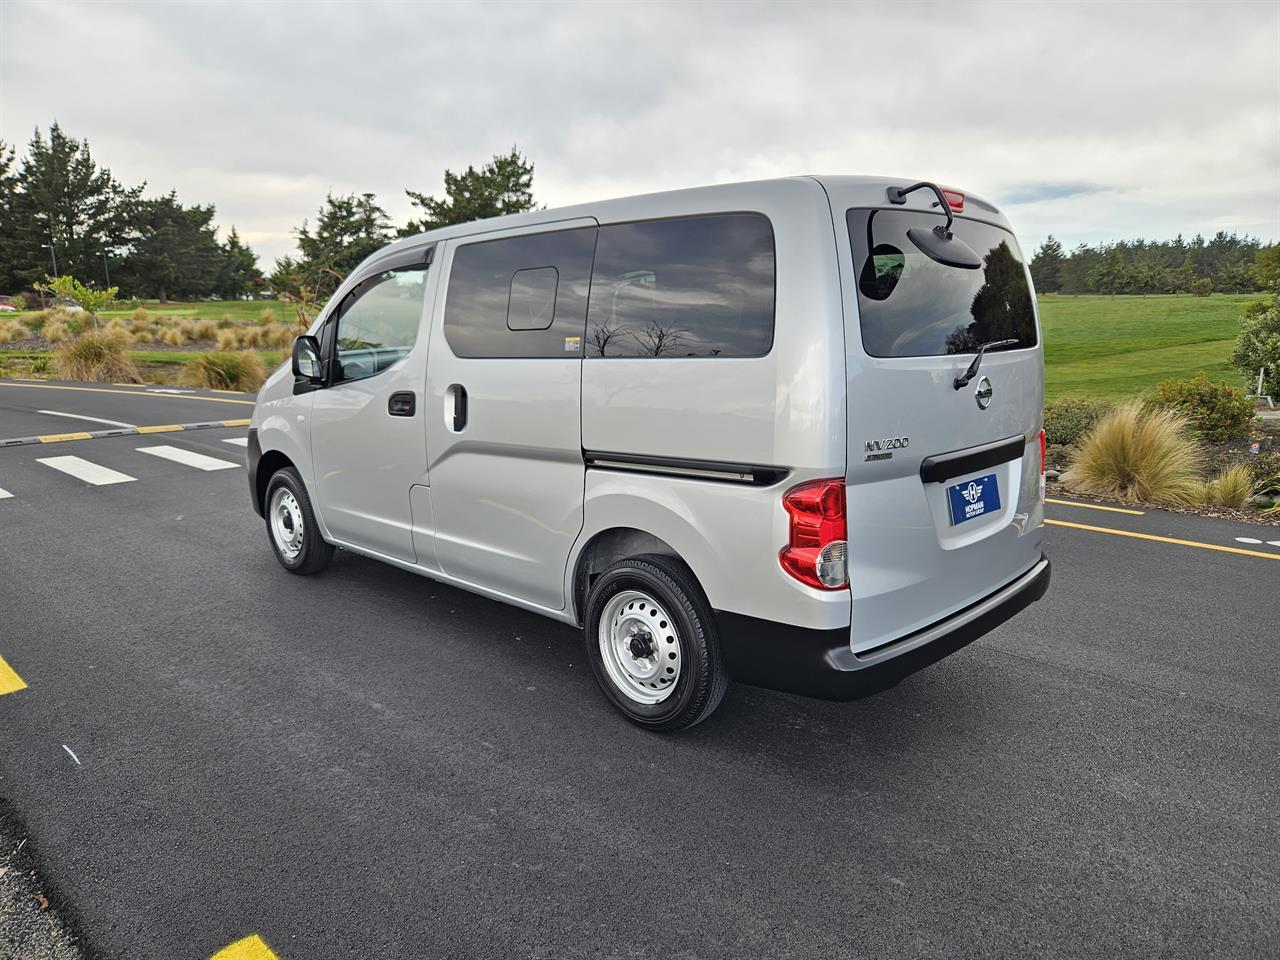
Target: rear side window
(912, 306)
(685, 287)
(520, 296)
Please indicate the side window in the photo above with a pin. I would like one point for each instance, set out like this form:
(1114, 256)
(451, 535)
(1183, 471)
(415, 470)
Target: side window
(683, 287)
(520, 296)
(378, 323)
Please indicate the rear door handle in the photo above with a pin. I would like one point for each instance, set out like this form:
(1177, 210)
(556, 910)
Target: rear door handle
(459, 394)
(401, 404)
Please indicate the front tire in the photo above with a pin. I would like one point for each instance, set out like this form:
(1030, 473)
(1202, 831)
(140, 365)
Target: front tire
(652, 643)
(291, 525)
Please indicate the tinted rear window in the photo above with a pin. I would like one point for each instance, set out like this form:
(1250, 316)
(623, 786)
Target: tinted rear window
(684, 287)
(912, 306)
(522, 296)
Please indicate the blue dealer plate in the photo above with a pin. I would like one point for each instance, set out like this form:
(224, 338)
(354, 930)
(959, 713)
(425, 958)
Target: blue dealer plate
(973, 498)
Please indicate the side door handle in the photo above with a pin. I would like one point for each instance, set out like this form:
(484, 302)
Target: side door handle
(459, 394)
(401, 404)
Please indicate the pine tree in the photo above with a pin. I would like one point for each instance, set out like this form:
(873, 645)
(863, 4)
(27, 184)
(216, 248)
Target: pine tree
(503, 185)
(1046, 266)
(238, 274)
(63, 198)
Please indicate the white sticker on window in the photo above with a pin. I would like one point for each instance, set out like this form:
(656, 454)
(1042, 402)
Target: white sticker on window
(572, 344)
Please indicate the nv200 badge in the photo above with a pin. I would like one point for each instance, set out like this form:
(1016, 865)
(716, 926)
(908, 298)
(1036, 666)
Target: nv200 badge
(883, 449)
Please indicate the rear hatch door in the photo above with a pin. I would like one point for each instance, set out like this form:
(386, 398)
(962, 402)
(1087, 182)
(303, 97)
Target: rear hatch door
(944, 483)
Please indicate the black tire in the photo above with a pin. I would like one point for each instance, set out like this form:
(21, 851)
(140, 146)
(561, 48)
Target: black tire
(315, 553)
(702, 678)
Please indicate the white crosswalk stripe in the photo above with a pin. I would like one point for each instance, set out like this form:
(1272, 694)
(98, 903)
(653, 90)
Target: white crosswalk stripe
(84, 470)
(187, 457)
(238, 441)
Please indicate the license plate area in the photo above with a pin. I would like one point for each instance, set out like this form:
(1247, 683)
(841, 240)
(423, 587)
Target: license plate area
(973, 498)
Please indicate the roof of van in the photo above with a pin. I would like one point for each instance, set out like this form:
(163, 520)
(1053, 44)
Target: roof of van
(846, 191)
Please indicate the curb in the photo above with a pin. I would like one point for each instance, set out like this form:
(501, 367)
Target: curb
(121, 432)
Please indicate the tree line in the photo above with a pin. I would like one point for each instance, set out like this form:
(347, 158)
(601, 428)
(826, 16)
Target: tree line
(61, 212)
(1226, 263)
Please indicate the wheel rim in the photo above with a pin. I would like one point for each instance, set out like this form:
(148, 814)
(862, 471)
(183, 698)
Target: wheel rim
(640, 647)
(286, 523)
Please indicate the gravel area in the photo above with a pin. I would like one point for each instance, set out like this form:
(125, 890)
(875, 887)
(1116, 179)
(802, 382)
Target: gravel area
(31, 927)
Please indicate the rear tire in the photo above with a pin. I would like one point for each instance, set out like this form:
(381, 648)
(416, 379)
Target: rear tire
(291, 525)
(651, 641)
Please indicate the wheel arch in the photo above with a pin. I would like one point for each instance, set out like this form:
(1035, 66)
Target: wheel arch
(608, 546)
(272, 462)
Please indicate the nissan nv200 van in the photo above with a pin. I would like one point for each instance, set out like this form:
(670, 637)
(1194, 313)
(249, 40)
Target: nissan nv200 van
(787, 432)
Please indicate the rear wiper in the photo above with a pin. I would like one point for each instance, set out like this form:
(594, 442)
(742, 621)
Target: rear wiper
(977, 361)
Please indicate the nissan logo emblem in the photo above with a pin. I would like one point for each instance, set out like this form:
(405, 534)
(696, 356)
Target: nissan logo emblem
(983, 393)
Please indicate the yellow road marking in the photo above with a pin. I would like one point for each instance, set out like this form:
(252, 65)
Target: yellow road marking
(128, 393)
(252, 947)
(10, 682)
(1095, 506)
(236, 423)
(59, 437)
(1173, 540)
(161, 428)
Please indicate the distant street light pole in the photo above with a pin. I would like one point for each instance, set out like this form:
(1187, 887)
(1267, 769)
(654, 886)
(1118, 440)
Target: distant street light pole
(105, 268)
(54, 255)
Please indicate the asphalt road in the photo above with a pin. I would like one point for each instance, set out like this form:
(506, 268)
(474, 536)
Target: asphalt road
(368, 764)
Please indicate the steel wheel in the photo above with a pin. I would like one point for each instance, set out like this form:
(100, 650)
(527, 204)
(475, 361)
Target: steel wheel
(640, 647)
(285, 516)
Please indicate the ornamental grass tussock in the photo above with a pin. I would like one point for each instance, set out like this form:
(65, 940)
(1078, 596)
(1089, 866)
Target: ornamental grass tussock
(96, 355)
(225, 371)
(1138, 455)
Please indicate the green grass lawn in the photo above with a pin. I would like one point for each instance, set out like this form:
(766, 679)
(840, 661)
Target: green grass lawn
(240, 311)
(1096, 346)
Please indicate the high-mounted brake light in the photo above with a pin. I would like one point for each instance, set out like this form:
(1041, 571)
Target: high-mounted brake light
(955, 199)
(817, 547)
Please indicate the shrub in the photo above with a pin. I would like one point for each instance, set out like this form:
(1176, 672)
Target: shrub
(1231, 488)
(1264, 471)
(228, 340)
(174, 336)
(1258, 345)
(118, 328)
(225, 371)
(19, 301)
(40, 365)
(1218, 412)
(1201, 287)
(1066, 421)
(1138, 454)
(55, 331)
(96, 355)
(266, 316)
(12, 330)
(141, 316)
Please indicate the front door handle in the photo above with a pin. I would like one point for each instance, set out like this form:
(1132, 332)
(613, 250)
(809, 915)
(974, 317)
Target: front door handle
(401, 404)
(459, 394)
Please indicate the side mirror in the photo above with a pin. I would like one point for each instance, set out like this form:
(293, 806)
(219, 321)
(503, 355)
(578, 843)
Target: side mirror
(306, 359)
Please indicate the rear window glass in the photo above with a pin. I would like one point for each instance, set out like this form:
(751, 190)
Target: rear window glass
(684, 287)
(913, 306)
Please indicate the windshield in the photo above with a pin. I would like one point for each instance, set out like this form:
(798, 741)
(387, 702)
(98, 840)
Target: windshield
(912, 306)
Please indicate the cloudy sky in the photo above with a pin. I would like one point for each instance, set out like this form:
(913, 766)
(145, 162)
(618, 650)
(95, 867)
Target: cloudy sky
(1091, 122)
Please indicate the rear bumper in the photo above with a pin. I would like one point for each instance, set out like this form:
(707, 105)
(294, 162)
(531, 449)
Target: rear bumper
(819, 663)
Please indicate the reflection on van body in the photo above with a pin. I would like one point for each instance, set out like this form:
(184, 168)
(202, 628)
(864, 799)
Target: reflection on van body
(664, 419)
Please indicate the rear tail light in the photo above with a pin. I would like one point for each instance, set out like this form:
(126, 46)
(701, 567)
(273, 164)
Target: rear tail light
(817, 548)
(955, 199)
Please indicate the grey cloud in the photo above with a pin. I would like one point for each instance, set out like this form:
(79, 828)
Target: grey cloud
(260, 108)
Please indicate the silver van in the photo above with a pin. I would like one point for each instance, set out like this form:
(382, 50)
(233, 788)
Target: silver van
(785, 432)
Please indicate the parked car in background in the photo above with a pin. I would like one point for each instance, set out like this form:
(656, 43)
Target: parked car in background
(743, 431)
(8, 305)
